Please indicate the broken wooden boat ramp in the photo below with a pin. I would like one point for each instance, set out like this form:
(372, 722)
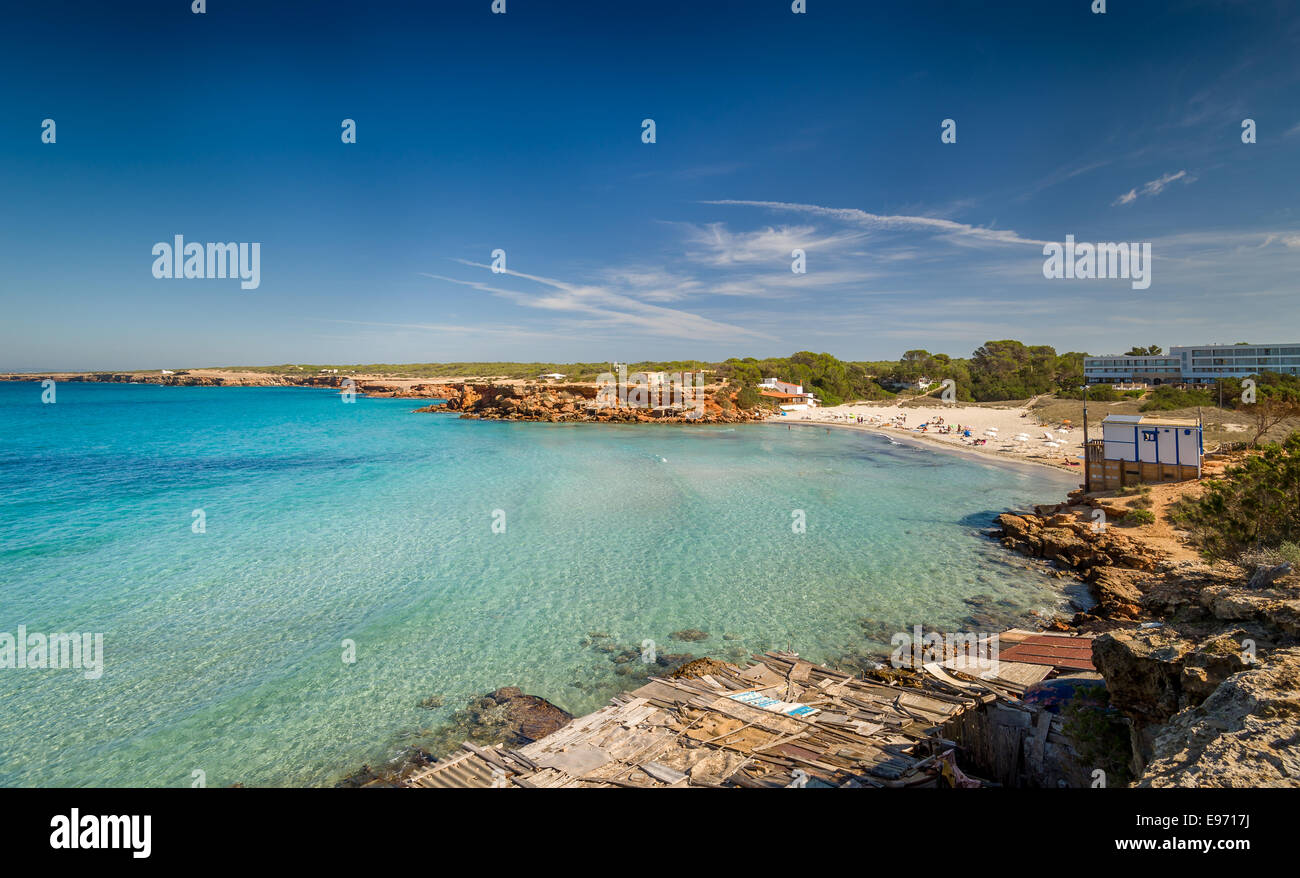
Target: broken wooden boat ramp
(780, 722)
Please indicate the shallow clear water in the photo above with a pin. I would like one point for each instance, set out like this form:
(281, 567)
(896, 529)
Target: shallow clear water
(329, 521)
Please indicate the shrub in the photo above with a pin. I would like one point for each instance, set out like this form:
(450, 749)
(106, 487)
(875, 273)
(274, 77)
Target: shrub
(1166, 398)
(1138, 517)
(748, 398)
(1289, 551)
(1254, 505)
(1260, 557)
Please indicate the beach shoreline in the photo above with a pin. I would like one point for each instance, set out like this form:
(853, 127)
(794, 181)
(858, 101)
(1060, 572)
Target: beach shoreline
(1002, 446)
(929, 443)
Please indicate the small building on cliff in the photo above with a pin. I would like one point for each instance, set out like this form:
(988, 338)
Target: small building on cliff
(1137, 449)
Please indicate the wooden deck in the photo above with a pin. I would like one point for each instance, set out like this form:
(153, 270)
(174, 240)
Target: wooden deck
(779, 722)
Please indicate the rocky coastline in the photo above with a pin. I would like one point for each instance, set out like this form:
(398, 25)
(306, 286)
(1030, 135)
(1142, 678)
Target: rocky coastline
(1203, 660)
(475, 400)
(566, 403)
(202, 378)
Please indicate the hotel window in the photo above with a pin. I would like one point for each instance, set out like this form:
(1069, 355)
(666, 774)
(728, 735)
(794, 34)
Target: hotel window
(1148, 435)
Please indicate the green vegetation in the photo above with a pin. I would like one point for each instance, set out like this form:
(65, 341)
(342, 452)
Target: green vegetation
(1096, 393)
(1143, 493)
(1276, 399)
(572, 371)
(1138, 517)
(1099, 734)
(1254, 506)
(997, 371)
(1285, 553)
(747, 397)
(1011, 370)
(1166, 398)
(832, 381)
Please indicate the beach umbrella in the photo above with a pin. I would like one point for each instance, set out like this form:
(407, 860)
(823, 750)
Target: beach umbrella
(1063, 430)
(1052, 444)
(1022, 438)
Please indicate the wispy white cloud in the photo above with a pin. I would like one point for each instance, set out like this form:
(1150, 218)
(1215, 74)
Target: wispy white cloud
(1152, 188)
(716, 245)
(935, 225)
(603, 305)
(908, 278)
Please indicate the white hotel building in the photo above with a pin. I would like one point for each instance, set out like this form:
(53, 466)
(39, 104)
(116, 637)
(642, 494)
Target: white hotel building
(1194, 364)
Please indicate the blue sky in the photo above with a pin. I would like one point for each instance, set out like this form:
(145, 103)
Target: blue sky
(523, 132)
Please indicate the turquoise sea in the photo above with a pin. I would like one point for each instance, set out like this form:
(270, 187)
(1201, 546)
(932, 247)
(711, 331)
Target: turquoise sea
(327, 521)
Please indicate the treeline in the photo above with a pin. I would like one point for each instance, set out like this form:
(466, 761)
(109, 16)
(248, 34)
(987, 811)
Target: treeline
(996, 371)
(833, 381)
(571, 371)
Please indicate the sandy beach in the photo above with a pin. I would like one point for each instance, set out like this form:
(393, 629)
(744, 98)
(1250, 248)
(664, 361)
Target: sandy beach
(997, 427)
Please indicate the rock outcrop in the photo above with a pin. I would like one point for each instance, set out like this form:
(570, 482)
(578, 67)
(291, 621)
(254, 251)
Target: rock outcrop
(1245, 734)
(516, 718)
(1153, 673)
(506, 716)
(1113, 564)
(1177, 689)
(559, 403)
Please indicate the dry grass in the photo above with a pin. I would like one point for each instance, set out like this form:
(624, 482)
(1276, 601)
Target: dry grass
(1220, 425)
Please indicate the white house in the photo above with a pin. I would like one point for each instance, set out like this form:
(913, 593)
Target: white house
(554, 376)
(790, 397)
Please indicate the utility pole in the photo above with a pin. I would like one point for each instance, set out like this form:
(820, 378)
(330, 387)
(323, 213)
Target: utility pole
(1087, 463)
